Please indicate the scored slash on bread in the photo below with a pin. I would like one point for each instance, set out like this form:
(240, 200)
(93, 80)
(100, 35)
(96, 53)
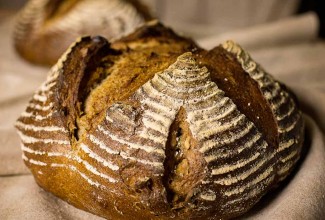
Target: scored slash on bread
(154, 127)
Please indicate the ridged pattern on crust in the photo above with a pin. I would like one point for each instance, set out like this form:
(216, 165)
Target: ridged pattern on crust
(240, 166)
(213, 118)
(288, 117)
(45, 135)
(112, 19)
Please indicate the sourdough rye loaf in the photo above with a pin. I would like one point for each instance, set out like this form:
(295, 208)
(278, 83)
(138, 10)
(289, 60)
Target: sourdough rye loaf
(45, 28)
(154, 127)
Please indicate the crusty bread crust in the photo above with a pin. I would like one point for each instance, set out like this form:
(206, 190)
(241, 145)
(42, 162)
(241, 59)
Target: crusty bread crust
(154, 127)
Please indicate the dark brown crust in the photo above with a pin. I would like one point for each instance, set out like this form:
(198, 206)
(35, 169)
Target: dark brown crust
(154, 30)
(145, 191)
(84, 57)
(243, 90)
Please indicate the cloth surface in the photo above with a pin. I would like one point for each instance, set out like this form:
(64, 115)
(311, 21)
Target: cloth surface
(206, 17)
(299, 64)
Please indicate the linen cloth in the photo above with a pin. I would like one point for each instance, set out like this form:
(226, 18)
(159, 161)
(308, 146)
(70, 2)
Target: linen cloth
(299, 63)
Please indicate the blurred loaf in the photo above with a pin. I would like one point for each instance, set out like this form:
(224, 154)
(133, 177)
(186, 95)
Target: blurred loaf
(45, 28)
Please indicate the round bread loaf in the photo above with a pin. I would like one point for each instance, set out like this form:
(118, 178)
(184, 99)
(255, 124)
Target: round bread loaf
(154, 127)
(45, 28)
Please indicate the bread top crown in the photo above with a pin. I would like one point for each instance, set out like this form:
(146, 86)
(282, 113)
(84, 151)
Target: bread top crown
(155, 127)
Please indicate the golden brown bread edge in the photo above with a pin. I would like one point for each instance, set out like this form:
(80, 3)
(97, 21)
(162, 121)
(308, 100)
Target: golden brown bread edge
(154, 127)
(45, 28)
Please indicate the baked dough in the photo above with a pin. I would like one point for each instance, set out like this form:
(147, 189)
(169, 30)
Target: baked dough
(154, 127)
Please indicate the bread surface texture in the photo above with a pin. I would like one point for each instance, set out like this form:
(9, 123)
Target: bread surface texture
(45, 28)
(153, 127)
